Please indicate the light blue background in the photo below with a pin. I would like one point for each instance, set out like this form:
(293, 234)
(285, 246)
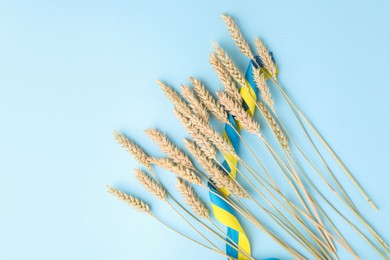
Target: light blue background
(73, 71)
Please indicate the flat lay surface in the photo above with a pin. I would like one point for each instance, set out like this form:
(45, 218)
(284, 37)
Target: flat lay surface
(71, 72)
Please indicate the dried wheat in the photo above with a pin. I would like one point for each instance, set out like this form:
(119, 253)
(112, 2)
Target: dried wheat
(196, 105)
(239, 113)
(229, 65)
(266, 58)
(132, 201)
(175, 98)
(191, 199)
(227, 81)
(179, 170)
(261, 84)
(140, 155)
(168, 147)
(150, 185)
(212, 105)
(243, 46)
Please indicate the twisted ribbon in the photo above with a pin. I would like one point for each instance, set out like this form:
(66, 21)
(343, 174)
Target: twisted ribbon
(223, 212)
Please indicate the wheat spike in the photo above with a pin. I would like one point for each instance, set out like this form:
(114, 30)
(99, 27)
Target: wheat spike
(140, 155)
(179, 170)
(216, 173)
(221, 143)
(167, 146)
(175, 98)
(150, 185)
(132, 201)
(266, 58)
(224, 181)
(207, 163)
(196, 105)
(218, 140)
(227, 81)
(261, 84)
(239, 113)
(242, 45)
(191, 199)
(205, 145)
(229, 65)
(274, 125)
(207, 99)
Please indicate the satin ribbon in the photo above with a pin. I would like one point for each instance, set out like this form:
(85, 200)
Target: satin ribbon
(223, 212)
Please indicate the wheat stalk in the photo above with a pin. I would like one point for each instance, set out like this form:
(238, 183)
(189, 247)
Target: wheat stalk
(132, 201)
(242, 45)
(179, 170)
(266, 58)
(239, 113)
(151, 185)
(196, 105)
(207, 99)
(140, 155)
(191, 199)
(167, 146)
(261, 84)
(227, 81)
(229, 65)
(282, 138)
(175, 98)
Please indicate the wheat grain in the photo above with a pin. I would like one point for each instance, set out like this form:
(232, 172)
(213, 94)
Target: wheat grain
(175, 98)
(196, 105)
(167, 146)
(191, 199)
(208, 100)
(229, 65)
(239, 113)
(132, 201)
(242, 45)
(261, 84)
(150, 185)
(140, 155)
(227, 81)
(179, 170)
(266, 58)
(274, 125)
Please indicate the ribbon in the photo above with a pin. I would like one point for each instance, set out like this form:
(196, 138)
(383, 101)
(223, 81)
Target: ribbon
(223, 212)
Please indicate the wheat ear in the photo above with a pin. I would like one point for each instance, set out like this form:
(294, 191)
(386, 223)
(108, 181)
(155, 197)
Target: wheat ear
(239, 113)
(221, 143)
(266, 58)
(227, 81)
(242, 45)
(150, 185)
(261, 84)
(192, 199)
(132, 201)
(282, 138)
(216, 173)
(208, 100)
(140, 155)
(196, 105)
(179, 170)
(167, 146)
(175, 98)
(229, 65)
(218, 140)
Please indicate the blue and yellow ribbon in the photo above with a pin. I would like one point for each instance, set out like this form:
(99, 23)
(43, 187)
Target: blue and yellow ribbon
(223, 212)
